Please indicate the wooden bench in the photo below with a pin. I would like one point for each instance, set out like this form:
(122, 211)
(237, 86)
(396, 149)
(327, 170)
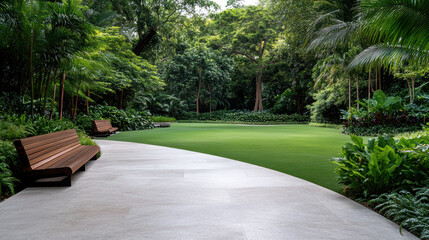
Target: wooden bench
(53, 155)
(103, 127)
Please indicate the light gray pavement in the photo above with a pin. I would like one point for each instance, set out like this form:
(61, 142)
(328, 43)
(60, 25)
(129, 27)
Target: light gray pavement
(138, 191)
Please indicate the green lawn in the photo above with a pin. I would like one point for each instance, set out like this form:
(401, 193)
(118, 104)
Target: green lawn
(299, 150)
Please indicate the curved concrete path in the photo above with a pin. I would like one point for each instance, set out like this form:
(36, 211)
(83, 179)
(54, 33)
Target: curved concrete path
(138, 191)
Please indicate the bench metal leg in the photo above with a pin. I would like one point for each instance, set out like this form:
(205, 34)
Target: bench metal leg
(82, 168)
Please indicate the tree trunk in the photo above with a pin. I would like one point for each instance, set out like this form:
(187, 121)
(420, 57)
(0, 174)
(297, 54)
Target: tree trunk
(199, 90)
(87, 102)
(75, 106)
(380, 77)
(350, 93)
(210, 106)
(143, 42)
(357, 92)
(53, 100)
(45, 99)
(410, 91)
(413, 80)
(376, 79)
(31, 72)
(258, 99)
(369, 84)
(62, 95)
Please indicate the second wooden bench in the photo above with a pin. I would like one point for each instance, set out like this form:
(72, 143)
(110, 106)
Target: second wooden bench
(103, 127)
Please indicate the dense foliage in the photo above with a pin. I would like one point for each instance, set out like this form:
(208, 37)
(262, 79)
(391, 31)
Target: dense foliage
(383, 114)
(383, 164)
(245, 117)
(411, 211)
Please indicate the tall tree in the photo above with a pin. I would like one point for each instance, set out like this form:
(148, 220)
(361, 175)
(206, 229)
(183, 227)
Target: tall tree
(148, 18)
(249, 33)
(200, 72)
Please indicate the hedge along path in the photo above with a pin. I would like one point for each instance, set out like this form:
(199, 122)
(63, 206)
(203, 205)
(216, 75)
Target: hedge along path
(299, 150)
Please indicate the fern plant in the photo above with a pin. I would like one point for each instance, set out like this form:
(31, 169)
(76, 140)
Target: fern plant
(410, 211)
(6, 179)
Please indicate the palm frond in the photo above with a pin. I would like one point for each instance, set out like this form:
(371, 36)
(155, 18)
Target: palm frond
(397, 22)
(391, 56)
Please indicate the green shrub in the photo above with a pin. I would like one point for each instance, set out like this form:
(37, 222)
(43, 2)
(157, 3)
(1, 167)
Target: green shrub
(84, 139)
(383, 115)
(162, 119)
(285, 103)
(326, 125)
(382, 165)
(9, 155)
(411, 211)
(247, 117)
(377, 130)
(327, 105)
(10, 131)
(415, 134)
(125, 119)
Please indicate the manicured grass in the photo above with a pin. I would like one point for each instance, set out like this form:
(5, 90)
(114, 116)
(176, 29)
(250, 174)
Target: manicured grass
(299, 150)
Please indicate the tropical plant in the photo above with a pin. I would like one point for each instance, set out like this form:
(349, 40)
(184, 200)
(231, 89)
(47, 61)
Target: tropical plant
(382, 165)
(399, 32)
(6, 179)
(410, 210)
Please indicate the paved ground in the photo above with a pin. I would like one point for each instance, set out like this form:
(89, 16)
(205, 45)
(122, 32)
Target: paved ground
(138, 191)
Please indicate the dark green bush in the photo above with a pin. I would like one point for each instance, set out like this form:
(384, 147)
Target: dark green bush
(384, 115)
(10, 131)
(247, 117)
(162, 119)
(327, 105)
(376, 130)
(125, 119)
(382, 165)
(410, 210)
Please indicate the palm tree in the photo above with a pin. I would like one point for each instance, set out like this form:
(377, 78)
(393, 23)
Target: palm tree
(337, 26)
(399, 32)
(335, 31)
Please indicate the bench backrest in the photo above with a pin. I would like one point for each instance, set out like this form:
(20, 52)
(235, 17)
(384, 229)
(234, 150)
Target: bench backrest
(41, 149)
(101, 125)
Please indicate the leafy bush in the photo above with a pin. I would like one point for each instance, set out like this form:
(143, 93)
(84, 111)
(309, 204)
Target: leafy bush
(247, 117)
(37, 124)
(383, 164)
(284, 103)
(377, 130)
(383, 114)
(326, 125)
(10, 131)
(411, 211)
(162, 119)
(125, 119)
(327, 105)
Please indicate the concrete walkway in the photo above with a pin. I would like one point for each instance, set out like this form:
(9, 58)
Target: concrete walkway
(138, 191)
